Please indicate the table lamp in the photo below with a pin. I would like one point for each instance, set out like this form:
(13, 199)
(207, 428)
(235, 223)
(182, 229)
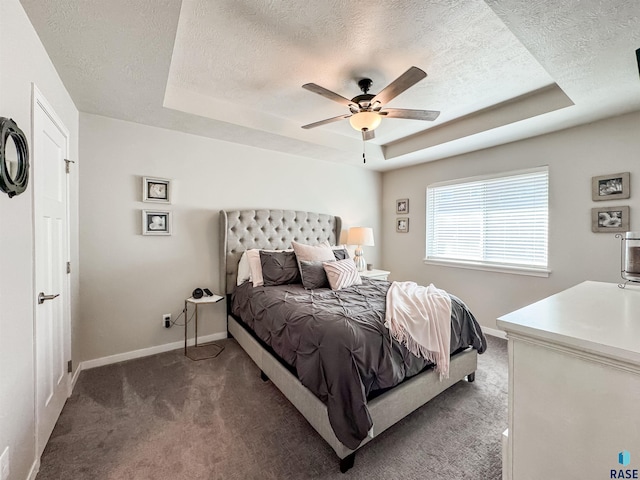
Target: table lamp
(360, 236)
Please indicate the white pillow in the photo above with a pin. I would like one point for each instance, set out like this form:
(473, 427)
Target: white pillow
(342, 273)
(313, 253)
(255, 266)
(244, 272)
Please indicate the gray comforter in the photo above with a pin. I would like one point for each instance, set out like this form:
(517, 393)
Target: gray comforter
(337, 343)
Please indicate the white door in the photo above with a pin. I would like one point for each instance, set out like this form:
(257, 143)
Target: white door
(52, 328)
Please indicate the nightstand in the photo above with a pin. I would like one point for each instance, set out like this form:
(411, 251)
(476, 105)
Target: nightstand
(375, 274)
(208, 350)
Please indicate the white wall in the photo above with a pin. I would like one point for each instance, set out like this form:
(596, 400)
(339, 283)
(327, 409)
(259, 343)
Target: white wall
(575, 253)
(130, 280)
(23, 60)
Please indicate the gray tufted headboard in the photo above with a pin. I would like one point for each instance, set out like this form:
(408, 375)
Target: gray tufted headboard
(242, 230)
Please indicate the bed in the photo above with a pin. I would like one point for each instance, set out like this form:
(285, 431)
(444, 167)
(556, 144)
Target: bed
(354, 415)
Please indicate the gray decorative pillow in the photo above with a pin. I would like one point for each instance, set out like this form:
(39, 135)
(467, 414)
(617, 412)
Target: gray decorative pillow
(313, 254)
(279, 268)
(313, 275)
(341, 253)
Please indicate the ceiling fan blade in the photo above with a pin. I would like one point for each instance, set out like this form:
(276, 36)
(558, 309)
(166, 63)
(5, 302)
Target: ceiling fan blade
(428, 115)
(324, 122)
(368, 135)
(406, 80)
(312, 87)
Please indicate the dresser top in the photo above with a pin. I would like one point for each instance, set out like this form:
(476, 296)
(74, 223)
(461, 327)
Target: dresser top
(592, 316)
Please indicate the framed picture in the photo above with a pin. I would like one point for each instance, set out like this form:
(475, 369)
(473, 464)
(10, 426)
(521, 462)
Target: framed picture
(610, 219)
(610, 187)
(156, 222)
(156, 190)
(402, 225)
(402, 206)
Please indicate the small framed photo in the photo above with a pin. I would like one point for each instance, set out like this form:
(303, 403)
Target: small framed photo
(610, 219)
(610, 187)
(402, 225)
(402, 206)
(156, 222)
(156, 190)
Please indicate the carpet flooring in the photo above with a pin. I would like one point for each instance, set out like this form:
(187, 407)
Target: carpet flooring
(168, 417)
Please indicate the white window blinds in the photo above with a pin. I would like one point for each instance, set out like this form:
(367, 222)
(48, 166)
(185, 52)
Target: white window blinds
(498, 221)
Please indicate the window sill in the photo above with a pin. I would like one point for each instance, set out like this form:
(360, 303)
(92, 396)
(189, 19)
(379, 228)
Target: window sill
(530, 271)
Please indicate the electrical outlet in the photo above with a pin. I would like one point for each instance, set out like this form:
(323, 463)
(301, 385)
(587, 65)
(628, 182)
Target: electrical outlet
(4, 465)
(166, 322)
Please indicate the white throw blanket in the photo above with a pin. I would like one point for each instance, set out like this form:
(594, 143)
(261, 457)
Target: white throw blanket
(420, 318)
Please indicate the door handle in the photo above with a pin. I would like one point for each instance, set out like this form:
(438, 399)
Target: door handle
(42, 297)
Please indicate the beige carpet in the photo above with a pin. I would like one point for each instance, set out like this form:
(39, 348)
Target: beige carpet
(168, 417)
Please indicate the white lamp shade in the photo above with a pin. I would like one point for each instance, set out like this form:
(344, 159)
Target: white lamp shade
(360, 236)
(362, 120)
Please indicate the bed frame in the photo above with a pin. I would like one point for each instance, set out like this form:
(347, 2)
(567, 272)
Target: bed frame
(241, 230)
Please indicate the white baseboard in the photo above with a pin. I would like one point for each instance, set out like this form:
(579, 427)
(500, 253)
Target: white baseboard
(75, 377)
(145, 352)
(35, 468)
(495, 332)
(505, 455)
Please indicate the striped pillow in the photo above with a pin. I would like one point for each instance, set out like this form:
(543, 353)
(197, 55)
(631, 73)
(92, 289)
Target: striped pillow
(342, 273)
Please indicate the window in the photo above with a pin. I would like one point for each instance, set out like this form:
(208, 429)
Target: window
(495, 223)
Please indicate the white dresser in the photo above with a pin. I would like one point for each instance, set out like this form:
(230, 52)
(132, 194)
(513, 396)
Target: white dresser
(574, 384)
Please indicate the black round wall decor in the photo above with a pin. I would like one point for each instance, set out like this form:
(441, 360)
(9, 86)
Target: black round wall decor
(14, 158)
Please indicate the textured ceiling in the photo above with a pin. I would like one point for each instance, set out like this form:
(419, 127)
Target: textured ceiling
(498, 70)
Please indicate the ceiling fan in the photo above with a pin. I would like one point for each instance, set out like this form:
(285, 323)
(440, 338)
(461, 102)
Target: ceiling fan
(366, 110)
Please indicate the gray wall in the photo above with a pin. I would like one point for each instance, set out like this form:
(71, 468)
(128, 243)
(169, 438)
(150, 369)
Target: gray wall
(575, 253)
(130, 280)
(23, 60)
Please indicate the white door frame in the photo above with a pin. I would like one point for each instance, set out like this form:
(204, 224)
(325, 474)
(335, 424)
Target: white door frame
(39, 101)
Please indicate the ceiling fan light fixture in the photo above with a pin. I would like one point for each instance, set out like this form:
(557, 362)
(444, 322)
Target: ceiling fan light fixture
(365, 120)
(365, 111)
